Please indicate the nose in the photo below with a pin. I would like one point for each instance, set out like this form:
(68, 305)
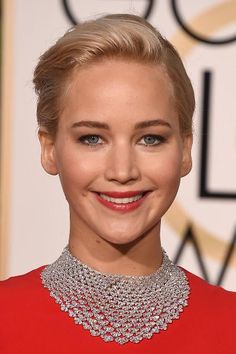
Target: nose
(122, 166)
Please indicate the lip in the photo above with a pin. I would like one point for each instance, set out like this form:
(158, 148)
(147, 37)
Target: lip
(127, 194)
(122, 207)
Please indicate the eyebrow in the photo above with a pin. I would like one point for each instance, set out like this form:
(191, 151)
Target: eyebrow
(139, 125)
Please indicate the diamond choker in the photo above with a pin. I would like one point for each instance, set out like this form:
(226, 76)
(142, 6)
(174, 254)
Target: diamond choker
(117, 308)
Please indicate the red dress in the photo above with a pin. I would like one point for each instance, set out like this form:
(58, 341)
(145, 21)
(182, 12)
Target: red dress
(32, 323)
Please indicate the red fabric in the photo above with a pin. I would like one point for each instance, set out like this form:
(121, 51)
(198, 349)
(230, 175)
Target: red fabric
(31, 322)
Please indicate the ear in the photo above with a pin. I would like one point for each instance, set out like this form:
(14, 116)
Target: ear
(48, 159)
(187, 157)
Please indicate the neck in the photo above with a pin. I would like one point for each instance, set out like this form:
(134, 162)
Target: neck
(140, 257)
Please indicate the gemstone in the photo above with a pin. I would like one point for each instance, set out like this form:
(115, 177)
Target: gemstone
(116, 307)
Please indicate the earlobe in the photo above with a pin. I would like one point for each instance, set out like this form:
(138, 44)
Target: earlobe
(187, 156)
(48, 159)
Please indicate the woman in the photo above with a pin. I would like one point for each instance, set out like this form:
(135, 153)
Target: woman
(115, 110)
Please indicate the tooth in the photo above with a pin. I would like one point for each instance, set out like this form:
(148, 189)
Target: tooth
(121, 200)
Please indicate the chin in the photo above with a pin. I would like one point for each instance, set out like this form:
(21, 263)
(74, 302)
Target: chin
(122, 240)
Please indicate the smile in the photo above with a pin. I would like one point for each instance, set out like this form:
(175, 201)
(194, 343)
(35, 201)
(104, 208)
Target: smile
(119, 201)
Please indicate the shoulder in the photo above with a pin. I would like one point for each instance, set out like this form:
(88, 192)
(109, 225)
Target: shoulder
(212, 299)
(20, 280)
(20, 287)
(208, 321)
(199, 285)
(23, 300)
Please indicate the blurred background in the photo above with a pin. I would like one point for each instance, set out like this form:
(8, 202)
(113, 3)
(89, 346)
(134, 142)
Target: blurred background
(199, 231)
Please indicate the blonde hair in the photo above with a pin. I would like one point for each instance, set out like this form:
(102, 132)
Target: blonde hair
(113, 36)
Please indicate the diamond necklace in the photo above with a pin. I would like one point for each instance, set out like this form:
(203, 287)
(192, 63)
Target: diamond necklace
(117, 308)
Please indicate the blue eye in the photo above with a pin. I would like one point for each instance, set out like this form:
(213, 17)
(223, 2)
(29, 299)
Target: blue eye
(90, 139)
(147, 140)
(152, 140)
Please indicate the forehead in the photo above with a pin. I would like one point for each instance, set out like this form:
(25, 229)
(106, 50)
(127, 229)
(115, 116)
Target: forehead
(121, 71)
(125, 90)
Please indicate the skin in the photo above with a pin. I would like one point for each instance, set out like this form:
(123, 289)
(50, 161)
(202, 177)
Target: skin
(121, 94)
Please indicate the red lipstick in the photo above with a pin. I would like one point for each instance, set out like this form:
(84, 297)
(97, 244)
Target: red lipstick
(127, 194)
(125, 207)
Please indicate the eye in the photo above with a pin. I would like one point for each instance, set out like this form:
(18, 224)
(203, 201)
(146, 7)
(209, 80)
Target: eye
(152, 140)
(90, 140)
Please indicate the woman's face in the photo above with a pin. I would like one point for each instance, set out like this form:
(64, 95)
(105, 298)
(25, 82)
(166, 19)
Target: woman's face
(118, 133)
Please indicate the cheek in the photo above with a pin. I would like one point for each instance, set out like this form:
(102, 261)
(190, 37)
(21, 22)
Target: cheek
(76, 169)
(165, 168)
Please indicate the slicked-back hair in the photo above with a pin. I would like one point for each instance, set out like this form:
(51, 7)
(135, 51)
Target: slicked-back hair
(120, 36)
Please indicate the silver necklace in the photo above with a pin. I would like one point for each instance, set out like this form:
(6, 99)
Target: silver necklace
(117, 308)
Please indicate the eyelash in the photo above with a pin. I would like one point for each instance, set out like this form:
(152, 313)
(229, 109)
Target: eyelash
(83, 139)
